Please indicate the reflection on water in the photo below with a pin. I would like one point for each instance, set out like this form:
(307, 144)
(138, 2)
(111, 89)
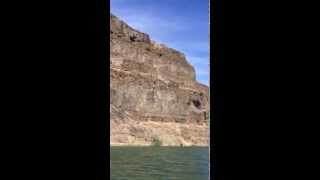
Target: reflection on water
(159, 163)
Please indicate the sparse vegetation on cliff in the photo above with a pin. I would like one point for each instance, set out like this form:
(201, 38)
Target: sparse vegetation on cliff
(156, 141)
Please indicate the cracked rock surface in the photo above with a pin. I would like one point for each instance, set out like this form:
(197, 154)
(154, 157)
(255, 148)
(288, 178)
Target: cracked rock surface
(154, 92)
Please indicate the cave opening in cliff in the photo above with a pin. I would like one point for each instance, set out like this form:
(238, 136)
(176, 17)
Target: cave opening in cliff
(197, 104)
(133, 38)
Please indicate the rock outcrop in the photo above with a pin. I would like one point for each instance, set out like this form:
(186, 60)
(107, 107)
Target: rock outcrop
(154, 94)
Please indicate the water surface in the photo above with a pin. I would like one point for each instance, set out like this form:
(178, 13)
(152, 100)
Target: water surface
(159, 163)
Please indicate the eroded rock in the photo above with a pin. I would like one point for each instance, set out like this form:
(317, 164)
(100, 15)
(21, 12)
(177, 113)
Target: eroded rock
(153, 92)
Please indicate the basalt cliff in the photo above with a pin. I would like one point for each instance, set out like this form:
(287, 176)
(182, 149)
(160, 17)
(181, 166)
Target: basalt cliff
(154, 96)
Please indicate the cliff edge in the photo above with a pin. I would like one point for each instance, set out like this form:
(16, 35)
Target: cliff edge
(154, 95)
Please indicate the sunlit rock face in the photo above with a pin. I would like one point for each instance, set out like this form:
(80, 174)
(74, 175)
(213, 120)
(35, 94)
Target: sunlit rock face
(154, 94)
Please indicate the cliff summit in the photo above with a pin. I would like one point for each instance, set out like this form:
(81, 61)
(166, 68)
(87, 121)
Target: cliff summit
(154, 93)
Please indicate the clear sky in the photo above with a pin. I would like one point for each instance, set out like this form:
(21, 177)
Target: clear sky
(180, 24)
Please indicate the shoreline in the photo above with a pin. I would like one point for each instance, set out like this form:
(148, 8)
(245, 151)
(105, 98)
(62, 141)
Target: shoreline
(150, 145)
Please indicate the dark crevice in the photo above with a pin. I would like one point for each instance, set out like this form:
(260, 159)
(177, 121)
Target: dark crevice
(197, 104)
(133, 38)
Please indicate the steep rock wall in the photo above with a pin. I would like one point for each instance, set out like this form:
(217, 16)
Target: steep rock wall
(154, 94)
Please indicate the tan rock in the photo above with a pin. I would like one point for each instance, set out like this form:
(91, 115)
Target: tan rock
(153, 92)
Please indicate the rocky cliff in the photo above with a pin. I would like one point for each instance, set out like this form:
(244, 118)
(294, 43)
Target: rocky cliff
(154, 95)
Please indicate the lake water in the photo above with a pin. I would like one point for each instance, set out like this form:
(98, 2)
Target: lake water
(159, 163)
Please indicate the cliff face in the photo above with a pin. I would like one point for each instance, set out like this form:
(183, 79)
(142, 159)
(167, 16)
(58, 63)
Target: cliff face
(154, 94)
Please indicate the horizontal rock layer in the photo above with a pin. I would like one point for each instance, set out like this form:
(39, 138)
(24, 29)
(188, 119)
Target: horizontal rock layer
(153, 92)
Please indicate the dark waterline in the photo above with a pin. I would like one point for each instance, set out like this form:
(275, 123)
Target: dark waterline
(159, 163)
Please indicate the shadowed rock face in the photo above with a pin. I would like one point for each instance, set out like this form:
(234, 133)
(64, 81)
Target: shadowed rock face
(153, 92)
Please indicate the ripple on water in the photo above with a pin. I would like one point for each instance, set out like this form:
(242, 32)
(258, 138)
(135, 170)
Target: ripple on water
(161, 163)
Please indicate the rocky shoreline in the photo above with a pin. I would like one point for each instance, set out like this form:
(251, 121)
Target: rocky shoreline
(150, 145)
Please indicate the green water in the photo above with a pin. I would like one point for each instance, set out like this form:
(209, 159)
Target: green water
(159, 163)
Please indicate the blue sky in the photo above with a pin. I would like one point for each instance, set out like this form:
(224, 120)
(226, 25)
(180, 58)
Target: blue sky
(180, 24)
